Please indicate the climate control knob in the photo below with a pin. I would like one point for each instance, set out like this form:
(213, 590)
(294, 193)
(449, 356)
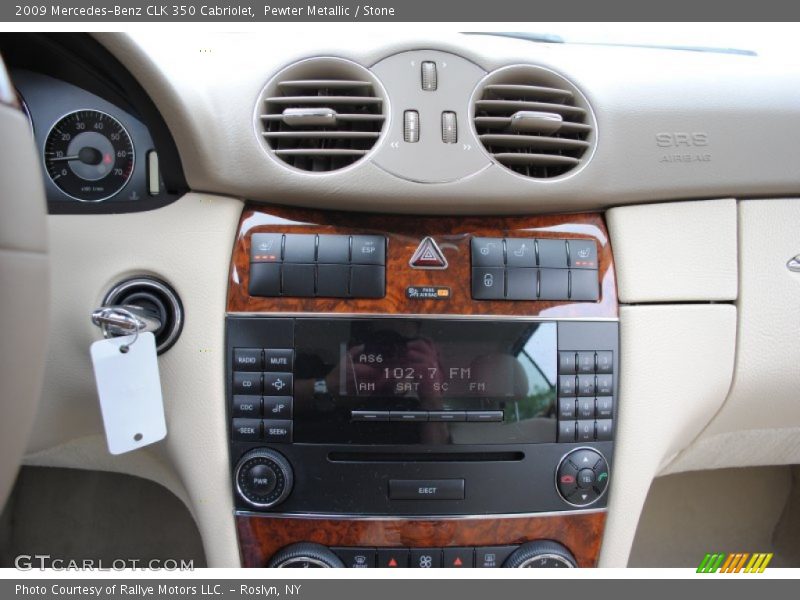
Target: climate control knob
(263, 478)
(305, 555)
(542, 554)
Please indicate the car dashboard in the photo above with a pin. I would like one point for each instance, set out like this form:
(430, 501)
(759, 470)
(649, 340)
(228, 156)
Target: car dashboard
(445, 302)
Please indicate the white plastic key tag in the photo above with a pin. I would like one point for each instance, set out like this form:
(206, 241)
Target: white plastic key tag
(129, 388)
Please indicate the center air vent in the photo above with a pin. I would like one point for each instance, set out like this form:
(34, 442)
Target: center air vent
(533, 121)
(321, 114)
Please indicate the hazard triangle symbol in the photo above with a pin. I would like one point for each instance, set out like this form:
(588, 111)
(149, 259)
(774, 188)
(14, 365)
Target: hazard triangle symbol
(428, 256)
(457, 562)
(392, 563)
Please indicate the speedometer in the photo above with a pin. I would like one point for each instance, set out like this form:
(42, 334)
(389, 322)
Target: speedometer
(89, 155)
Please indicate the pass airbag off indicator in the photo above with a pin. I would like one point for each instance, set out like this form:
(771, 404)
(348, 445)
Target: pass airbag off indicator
(89, 155)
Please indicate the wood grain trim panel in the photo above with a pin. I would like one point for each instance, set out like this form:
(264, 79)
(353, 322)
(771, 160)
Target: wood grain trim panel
(260, 537)
(404, 234)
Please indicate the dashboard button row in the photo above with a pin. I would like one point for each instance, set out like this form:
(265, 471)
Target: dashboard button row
(586, 385)
(317, 280)
(482, 557)
(262, 430)
(254, 359)
(523, 283)
(570, 363)
(417, 416)
(273, 407)
(585, 430)
(268, 383)
(530, 252)
(570, 409)
(302, 248)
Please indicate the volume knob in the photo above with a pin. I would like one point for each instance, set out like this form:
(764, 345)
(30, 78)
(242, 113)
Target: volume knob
(263, 478)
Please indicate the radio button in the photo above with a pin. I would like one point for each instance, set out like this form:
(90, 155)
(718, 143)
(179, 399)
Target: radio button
(356, 558)
(566, 385)
(586, 408)
(566, 409)
(492, 556)
(553, 254)
(265, 279)
(553, 284)
(368, 250)
(247, 406)
(585, 431)
(367, 281)
(605, 361)
(426, 489)
(299, 248)
(586, 385)
(333, 249)
(426, 558)
(266, 247)
(567, 363)
(278, 407)
(408, 415)
(444, 416)
(277, 431)
(333, 281)
(585, 362)
(247, 359)
(487, 252)
(583, 286)
(458, 558)
(486, 416)
(246, 383)
(488, 283)
(604, 407)
(604, 430)
(278, 384)
(392, 558)
(605, 385)
(246, 430)
(278, 360)
(369, 415)
(521, 284)
(520, 252)
(566, 431)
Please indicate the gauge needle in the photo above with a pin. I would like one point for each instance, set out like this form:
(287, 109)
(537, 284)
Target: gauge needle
(63, 158)
(87, 154)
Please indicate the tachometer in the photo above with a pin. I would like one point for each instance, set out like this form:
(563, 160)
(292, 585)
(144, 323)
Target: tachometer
(89, 155)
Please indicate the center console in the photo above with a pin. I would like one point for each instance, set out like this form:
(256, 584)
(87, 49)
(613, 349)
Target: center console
(421, 392)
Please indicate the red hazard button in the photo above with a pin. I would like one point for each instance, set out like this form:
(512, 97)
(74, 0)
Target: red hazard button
(393, 558)
(458, 558)
(428, 255)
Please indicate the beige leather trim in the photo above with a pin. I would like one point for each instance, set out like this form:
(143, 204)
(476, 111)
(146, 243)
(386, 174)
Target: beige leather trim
(676, 366)
(188, 244)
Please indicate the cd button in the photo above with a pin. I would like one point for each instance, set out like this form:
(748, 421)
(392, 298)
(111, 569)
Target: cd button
(426, 489)
(447, 415)
(247, 383)
(369, 415)
(408, 415)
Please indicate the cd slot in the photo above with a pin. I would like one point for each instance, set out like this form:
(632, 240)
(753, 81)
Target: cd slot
(411, 457)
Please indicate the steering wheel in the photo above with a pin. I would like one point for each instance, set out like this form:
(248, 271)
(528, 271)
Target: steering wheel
(24, 283)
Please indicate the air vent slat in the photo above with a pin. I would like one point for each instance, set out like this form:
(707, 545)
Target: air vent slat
(520, 158)
(533, 122)
(321, 114)
(532, 141)
(526, 91)
(495, 123)
(339, 117)
(512, 106)
(320, 152)
(323, 134)
(337, 84)
(354, 100)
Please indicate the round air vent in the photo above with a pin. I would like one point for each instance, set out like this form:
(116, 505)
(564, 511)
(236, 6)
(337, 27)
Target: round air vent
(533, 121)
(321, 114)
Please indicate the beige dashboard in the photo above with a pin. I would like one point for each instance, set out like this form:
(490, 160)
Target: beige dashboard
(694, 167)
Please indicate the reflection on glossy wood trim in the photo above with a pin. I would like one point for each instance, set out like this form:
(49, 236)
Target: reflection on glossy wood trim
(260, 537)
(404, 234)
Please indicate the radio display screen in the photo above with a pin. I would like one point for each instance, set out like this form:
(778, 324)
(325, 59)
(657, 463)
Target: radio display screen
(425, 366)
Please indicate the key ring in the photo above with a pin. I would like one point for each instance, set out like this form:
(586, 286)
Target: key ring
(121, 318)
